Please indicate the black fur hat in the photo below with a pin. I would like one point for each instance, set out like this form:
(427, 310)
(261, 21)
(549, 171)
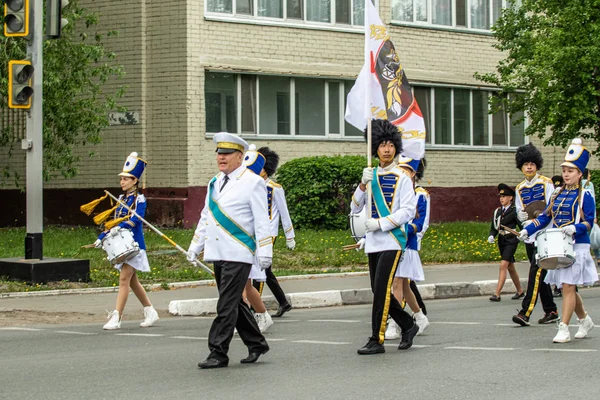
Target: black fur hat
(382, 131)
(528, 153)
(271, 160)
(421, 170)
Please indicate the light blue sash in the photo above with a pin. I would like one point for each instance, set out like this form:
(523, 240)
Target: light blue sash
(382, 209)
(229, 225)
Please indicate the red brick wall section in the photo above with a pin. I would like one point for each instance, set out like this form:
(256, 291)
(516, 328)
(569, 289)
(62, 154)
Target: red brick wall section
(181, 207)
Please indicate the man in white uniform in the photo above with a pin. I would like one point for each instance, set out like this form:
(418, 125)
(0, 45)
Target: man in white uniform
(233, 233)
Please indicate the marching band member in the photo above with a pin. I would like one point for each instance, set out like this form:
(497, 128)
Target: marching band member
(394, 205)
(278, 209)
(233, 232)
(534, 188)
(410, 268)
(132, 171)
(572, 209)
(506, 215)
(255, 162)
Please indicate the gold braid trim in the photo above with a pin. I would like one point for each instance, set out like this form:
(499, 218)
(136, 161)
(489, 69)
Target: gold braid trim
(89, 207)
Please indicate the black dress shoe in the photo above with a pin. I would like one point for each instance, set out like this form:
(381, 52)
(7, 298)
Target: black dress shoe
(212, 363)
(372, 347)
(282, 310)
(518, 296)
(495, 298)
(407, 337)
(253, 356)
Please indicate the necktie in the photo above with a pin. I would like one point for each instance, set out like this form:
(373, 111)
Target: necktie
(225, 180)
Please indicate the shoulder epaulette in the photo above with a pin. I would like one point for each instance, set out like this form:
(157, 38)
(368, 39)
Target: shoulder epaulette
(545, 179)
(274, 184)
(420, 189)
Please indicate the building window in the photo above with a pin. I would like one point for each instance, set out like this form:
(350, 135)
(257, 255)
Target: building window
(262, 105)
(460, 117)
(331, 12)
(460, 14)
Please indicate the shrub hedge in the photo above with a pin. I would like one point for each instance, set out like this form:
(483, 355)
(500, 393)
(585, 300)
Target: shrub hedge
(319, 189)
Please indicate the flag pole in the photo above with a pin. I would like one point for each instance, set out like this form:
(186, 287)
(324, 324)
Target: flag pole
(368, 106)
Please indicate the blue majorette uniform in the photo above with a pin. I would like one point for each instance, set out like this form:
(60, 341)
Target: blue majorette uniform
(134, 167)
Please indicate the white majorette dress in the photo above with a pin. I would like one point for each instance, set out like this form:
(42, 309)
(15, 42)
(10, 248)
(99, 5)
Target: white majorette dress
(410, 266)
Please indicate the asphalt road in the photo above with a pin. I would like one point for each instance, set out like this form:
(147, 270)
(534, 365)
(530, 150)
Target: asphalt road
(472, 350)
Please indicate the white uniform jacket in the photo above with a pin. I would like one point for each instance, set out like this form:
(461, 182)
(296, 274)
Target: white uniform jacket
(244, 200)
(538, 188)
(403, 209)
(277, 207)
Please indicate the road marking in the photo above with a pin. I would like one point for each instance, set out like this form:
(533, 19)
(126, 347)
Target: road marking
(279, 321)
(17, 328)
(76, 333)
(416, 346)
(319, 342)
(569, 350)
(139, 334)
(189, 337)
(345, 321)
(515, 325)
(480, 348)
(456, 323)
(277, 340)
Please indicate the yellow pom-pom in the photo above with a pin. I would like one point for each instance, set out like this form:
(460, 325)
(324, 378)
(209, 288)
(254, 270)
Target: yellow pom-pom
(89, 207)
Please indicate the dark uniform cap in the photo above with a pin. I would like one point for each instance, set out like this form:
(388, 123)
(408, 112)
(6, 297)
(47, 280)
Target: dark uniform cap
(557, 180)
(505, 190)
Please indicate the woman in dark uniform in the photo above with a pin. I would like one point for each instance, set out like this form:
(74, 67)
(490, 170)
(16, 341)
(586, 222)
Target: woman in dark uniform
(507, 242)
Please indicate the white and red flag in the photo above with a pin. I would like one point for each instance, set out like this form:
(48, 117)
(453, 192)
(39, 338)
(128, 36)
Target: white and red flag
(382, 90)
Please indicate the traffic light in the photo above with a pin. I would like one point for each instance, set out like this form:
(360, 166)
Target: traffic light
(19, 84)
(54, 20)
(16, 18)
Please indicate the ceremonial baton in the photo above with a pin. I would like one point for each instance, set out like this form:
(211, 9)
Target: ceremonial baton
(506, 228)
(196, 262)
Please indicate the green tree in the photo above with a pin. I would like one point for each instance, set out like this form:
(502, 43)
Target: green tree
(76, 104)
(551, 69)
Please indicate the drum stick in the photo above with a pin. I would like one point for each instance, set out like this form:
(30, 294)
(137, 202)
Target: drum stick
(506, 228)
(350, 247)
(88, 246)
(196, 262)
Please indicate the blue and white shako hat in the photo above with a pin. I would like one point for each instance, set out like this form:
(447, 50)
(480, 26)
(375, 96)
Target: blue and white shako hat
(577, 156)
(253, 160)
(134, 166)
(411, 163)
(229, 143)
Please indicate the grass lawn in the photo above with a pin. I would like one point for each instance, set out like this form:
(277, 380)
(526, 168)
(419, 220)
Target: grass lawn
(316, 252)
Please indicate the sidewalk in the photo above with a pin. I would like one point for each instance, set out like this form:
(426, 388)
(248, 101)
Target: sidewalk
(442, 281)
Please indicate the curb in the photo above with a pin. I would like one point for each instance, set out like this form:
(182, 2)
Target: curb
(174, 285)
(331, 298)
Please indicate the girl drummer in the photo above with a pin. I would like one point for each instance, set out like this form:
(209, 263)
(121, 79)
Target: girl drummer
(572, 210)
(132, 171)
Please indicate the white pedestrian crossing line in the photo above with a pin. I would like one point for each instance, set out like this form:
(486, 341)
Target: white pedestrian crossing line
(455, 323)
(344, 321)
(568, 350)
(139, 334)
(479, 348)
(76, 333)
(19, 328)
(319, 342)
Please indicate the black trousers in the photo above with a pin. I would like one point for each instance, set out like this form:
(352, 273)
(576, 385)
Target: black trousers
(415, 290)
(232, 312)
(535, 286)
(382, 267)
(273, 285)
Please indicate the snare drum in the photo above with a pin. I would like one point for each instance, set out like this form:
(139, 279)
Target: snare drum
(357, 224)
(554, 249)
(121, 247)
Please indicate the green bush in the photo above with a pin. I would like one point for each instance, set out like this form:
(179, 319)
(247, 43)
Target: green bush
(319, 189)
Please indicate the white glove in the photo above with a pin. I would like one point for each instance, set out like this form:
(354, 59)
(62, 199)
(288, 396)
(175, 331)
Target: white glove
(98, 244)
(522, 215)
(569, 230)
(491, 239)
(290, 243)
(523, 235)
(114, 231)
(361, 244)
(264, 262)
(191, 256)
(372, 225)
(367, 176)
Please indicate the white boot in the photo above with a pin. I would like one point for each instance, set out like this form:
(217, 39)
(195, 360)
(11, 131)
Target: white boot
(393, 331)
(563, 335)
(422, 321)
(150, 317)
(585, 325)
(267, 321)
(114, 321)
(259, 320)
